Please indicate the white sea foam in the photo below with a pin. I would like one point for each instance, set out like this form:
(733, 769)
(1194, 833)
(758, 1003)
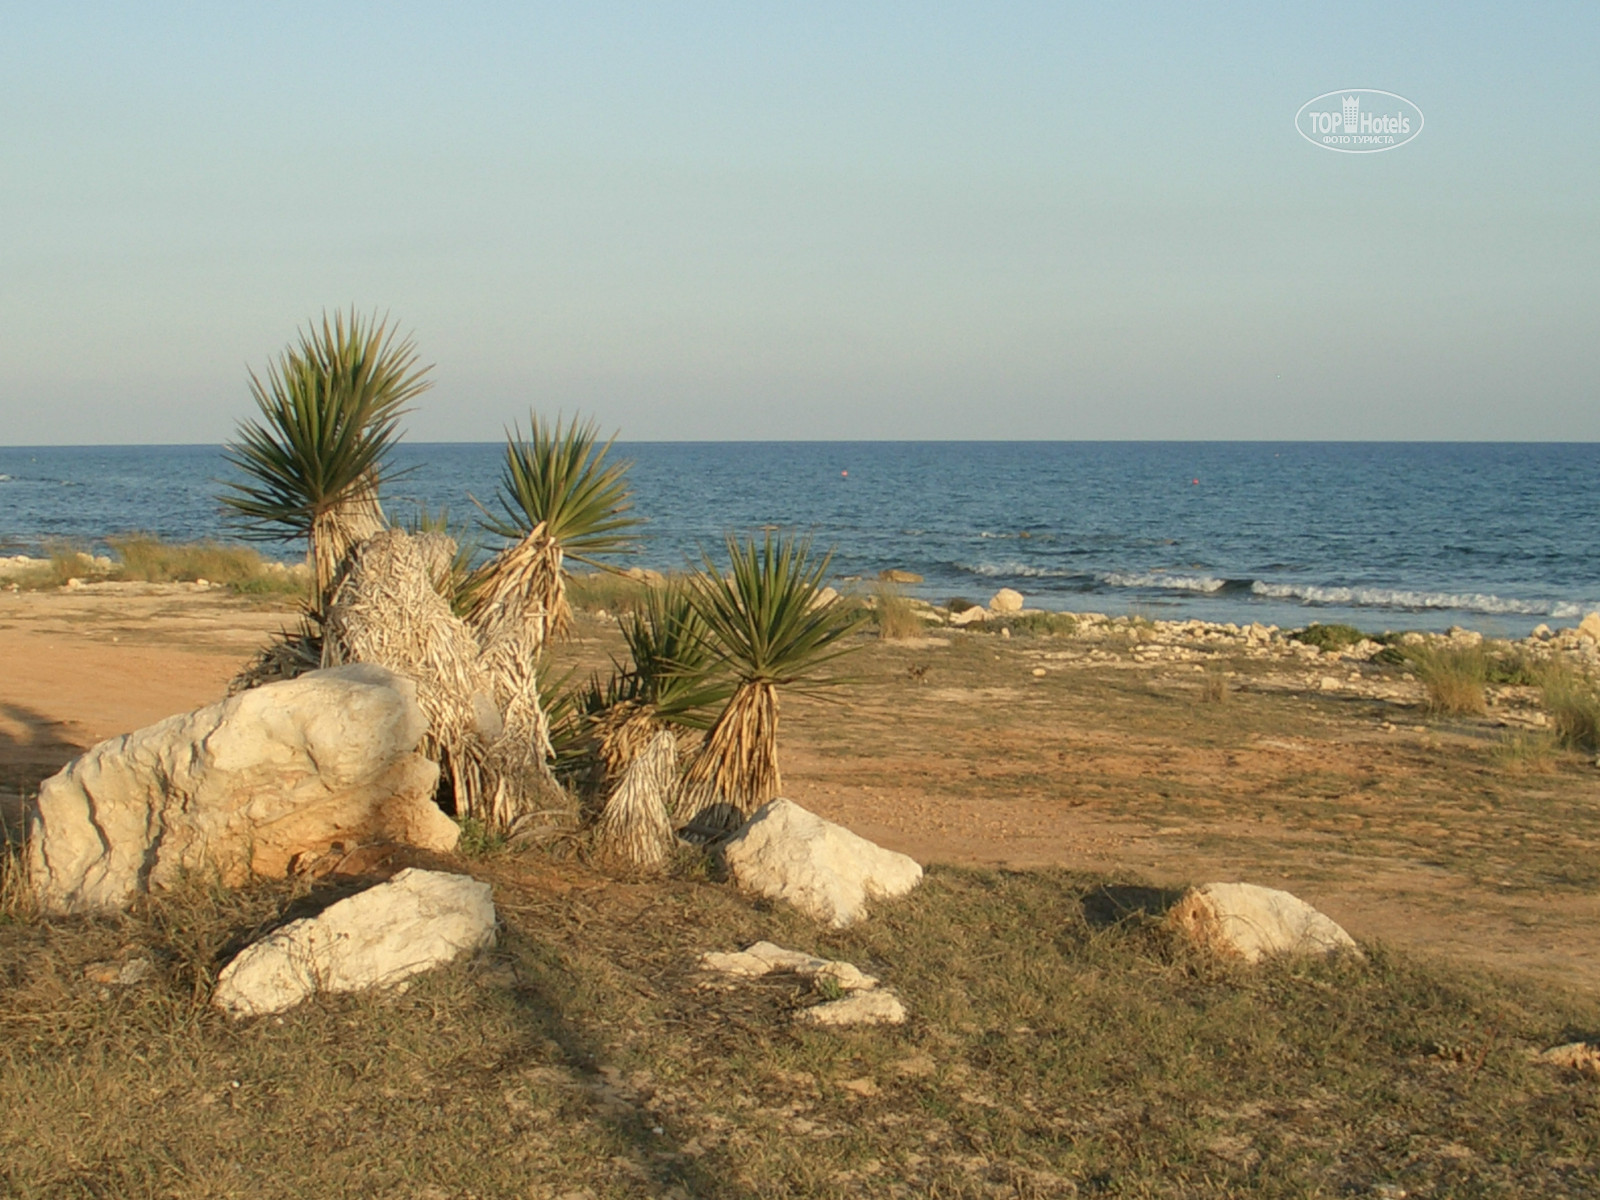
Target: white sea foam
(1367, 597)
(1024, 570)
(1161, 579)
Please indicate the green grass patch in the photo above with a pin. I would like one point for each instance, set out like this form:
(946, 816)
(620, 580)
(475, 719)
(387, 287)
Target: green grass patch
(1453, 677)
(1573, 705)
(1330, 637)
(1040, 624)
(1062, 1043)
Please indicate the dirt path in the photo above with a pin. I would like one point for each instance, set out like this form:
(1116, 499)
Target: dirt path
(1409, 831)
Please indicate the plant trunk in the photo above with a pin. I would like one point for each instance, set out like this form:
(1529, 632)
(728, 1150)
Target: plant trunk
(736, 771)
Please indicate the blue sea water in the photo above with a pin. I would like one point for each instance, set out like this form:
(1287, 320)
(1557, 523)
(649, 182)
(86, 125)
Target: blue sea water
(1383, 535)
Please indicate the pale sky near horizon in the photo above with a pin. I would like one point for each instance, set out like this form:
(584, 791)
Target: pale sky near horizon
(807, 221)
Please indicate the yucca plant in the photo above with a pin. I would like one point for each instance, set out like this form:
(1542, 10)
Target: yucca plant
(330, 410)
(773, 630)
(559, 500)
(672, 682)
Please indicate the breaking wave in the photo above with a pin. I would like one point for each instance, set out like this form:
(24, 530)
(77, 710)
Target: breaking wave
(1367, 597)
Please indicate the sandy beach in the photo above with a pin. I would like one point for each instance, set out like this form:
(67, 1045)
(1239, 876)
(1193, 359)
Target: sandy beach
(1319, 774)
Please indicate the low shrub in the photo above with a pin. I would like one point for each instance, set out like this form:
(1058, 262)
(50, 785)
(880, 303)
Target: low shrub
(1043, 624)
(1214, 685)
(1329, 637)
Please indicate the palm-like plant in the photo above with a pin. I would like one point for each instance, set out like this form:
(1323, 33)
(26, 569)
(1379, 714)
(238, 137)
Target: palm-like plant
(330, 416)
(559, 500)
(672, 682)
(773, 630)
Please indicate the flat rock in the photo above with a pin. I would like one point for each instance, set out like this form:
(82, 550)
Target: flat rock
(245, 786)
(969, 616)
(786, 853)
(1250, 922)
(877, 1007)
(1006, 600)
(1580, 1056)
(765, 958)
(895, 575)
(381, 937)
(1589, 627)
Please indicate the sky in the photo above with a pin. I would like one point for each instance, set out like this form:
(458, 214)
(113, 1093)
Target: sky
(817, 221)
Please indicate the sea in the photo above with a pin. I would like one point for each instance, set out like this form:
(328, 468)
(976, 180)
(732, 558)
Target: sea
(1384, 536)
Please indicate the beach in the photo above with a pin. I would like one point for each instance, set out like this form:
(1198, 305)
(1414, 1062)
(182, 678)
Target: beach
(1318, 773)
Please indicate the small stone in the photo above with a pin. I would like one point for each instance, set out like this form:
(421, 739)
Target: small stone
(1579, 1056)
(1039, 672)
(879, 1007)
(969, 616)
(862, 1087)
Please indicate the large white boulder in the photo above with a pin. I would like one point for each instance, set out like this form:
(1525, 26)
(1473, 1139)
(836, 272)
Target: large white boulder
(245, 786)
(824, 870)
(1006, 600)
(377, 938)
(1249, 922)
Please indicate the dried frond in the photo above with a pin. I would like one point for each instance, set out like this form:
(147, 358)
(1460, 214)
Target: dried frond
(635, 827)
(519, 592)
(735, 771)
(486, 728)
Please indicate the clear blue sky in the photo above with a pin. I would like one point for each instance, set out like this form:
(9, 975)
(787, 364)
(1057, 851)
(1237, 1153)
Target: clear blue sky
(807, 221)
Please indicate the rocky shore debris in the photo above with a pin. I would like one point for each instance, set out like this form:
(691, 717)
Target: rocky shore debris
(785, 852)
(251, 785)
(863, 1002)
(1243, 920)
(378, 938)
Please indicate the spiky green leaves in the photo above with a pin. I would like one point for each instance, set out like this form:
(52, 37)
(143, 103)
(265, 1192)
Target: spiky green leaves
(330, 415)
(558, 478)
(766, 615)
(330, 412)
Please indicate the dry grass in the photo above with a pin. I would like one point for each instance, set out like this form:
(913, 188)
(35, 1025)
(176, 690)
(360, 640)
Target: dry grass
(604, 591)
(1527, 752)
(894, 614)
(150, 560)
(1062, 1043)
(1574, 706)
(1453, 677)
(1214, 687)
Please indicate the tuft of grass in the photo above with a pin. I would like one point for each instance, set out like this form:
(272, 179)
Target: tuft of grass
(1515, 666)
(1453, 677)
(478, 840)
(1526, 751)
(1214, 684)
(607, 591)
(147, 559)
(893, 613)
(1329, 637)
(1573, 705)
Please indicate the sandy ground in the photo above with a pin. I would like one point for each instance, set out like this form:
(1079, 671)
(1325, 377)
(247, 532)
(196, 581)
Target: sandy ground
(1409, 831)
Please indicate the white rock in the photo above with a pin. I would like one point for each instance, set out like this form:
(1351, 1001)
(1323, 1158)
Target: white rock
(1251, 922)
(1006, 600)
(1580, 1056)
(245, 786)
(969, 616)
(763, 958)
(824, 870)
(879, 1007)
(1589, 627)
(377, 938)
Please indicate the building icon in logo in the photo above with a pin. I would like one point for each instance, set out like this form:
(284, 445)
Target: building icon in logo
(1352, 110)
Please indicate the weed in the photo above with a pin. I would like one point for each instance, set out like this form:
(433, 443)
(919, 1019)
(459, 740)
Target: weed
(1453, 677)
(1526, 751)
(893, 612)
(1573, 705)
(1214, 685)
(478, 840)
